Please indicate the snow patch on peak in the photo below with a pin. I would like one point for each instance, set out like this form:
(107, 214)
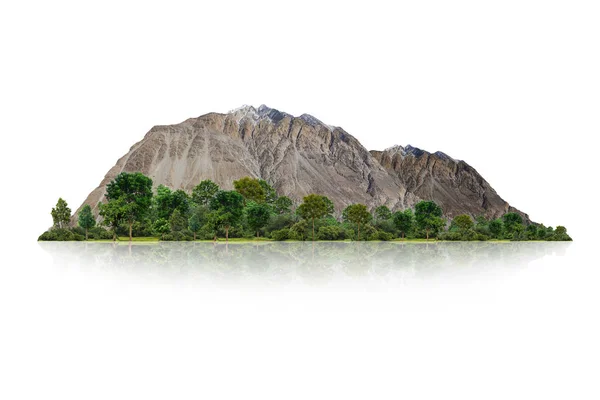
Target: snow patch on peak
(394, 149)
(309, 119)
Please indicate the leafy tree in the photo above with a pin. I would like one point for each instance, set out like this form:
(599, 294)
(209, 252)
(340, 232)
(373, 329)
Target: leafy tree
(251, 189)
(270, 192)
(428, 216)
(61, 214)
(560, 233)
(404, 221)
(112, 214)
(162, 202)
(180, 200)
(227, 207)
(531, 231)
(382, 213)
(86, 219)
(283, 205)
(197, 220)
(258, 215)
(161, 226)
(512, 221)
(177, 222)
(496, 226)
(204, 192)
(358, 214)
(463, 222)
(135, 192)
(314, 206)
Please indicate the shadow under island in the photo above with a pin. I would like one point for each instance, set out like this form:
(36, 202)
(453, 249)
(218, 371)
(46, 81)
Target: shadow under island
(277, 263)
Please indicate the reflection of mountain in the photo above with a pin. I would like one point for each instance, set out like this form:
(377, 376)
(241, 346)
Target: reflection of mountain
(279, 262)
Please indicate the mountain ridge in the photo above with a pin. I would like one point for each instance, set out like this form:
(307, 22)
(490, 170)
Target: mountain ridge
(303, 155)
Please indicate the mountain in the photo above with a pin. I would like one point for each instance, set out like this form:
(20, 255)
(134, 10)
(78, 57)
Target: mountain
(299, 156)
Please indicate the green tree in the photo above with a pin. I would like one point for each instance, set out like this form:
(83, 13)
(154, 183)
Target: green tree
(513, 223)
(270, 192)
(531, 231)
(61, 214)
(177, 222)
(227, 207)
(257, 215)
(283, 205)
(496, 227)
(428, 216)
(314, 206)
(204, 192)
(162, 202)
(560, 233)
(382, 213)
(86, 219)
(161, 226)
(463, 222)
(197, 220)
(112, 214)
(358, 214)
(251, 189)
(181, 201)
(404, 221)
(135, 192)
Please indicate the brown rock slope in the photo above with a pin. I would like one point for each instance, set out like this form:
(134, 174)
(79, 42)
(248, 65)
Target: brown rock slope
(453, 184)
(299, 156)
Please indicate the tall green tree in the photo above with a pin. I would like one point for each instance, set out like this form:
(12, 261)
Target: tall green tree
(404, 221)
(86, 219)
(314, 206)
(204, 192)
(358, 214)
(257, 215)
(161, 226)
(181, 201)
(227, 209)
(382, 213)
(112, 213)
(283, 205)
(61, 214)
(428, 216)
(251, 189)
(178, 221)
(198, 218)
(496, 226)
(513, 223)
(135, 192)
(162, 202)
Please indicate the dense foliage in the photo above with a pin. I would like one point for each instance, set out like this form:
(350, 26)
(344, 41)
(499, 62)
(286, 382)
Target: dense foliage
(254, 210)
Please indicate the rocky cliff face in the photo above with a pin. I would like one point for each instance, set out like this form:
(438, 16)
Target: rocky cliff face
(299, 156)
(453, 184)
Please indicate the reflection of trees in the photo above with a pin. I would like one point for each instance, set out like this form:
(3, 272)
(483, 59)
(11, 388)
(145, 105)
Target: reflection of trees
(274, 262)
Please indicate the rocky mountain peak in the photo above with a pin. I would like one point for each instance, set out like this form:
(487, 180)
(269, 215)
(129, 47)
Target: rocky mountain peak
(300, 156)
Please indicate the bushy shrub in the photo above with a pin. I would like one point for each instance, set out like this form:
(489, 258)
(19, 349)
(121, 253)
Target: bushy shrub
(385, 236)
(282, 234)
(278, 222)
(60, 235)
(178, 236)
(331, 232)
(99, 233)
(300, 231)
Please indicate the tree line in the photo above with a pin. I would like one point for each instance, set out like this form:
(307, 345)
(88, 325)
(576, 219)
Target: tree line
(254, 209)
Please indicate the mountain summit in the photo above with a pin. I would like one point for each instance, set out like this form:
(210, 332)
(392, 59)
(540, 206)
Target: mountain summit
(299, 156)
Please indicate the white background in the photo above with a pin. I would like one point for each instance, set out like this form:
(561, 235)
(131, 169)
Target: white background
(510, 87)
